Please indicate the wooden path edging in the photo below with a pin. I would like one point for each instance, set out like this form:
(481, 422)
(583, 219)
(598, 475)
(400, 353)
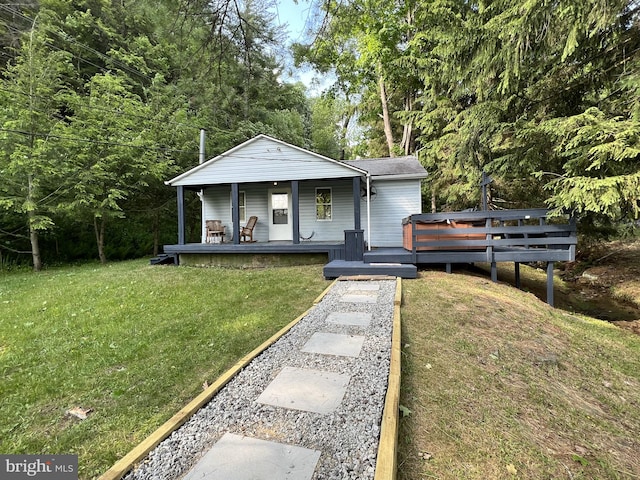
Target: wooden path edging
(126, 463)
(387, 459)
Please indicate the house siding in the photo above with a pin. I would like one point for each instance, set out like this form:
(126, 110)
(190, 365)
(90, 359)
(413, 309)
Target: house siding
(216, 205)
(264, 160)
(394, 200)
(341, 210)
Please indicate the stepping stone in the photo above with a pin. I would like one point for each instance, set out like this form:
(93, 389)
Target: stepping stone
(243, 458)
(360, 319)
(364, 287)
(334, 344)
(359, 298)
(306, 389)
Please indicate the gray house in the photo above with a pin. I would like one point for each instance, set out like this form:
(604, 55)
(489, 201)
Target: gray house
(310, 208)
(303, 201)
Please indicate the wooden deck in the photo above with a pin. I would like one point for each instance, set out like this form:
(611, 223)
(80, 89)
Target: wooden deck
(518, 236)
(338, 268)
(332, 249)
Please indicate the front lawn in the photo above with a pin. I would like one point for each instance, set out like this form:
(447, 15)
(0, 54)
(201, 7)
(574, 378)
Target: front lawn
(129, 342)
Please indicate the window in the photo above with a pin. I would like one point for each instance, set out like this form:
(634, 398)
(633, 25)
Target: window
(323, 203)
(280, 208)
(243, 206)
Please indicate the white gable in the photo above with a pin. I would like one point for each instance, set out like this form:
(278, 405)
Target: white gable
(264, 159)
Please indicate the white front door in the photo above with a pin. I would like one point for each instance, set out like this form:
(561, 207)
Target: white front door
(280, 222)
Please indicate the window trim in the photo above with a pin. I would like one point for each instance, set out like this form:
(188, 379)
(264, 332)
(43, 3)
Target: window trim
(242, 208)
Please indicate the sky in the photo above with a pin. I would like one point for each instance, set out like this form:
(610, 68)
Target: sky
(295, 17)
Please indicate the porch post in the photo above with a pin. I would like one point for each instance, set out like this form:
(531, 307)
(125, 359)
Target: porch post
(295, 200)
(368, 212)
(181, 219)
(356, 204)
(235, 212)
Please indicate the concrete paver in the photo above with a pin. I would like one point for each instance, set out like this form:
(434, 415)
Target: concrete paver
(359, 319)
(306, 389)
(334, 344)
(244, 458)
(359, 298)
(364, 287)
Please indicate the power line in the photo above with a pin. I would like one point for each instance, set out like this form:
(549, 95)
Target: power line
(103, 109)
(67, 37)
(97, 142)
(14, 29)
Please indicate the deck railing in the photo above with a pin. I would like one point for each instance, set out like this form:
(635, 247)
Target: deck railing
(517, 236)
(489, 231)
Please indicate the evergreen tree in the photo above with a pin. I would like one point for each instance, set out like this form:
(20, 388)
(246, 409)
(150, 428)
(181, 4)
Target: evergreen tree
(34, 170)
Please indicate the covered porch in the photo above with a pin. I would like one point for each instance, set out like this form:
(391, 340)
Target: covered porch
(290, 212)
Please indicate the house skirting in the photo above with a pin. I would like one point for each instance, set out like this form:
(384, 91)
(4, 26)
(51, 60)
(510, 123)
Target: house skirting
(251, 260)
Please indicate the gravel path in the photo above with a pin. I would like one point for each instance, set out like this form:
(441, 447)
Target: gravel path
(347, 437)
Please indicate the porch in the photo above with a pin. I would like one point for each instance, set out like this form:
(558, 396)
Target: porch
(348, 257)
(518, 236)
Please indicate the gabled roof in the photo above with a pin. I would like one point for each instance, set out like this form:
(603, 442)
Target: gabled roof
(398, 168)
(264, 159)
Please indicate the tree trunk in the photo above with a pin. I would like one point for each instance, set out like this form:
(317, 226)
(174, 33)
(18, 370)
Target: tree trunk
(386, 119)
(35, 244)
(33, 233)
(99, 229)
(156, 233)
(343, 135)
(407, 133)
(434, 206)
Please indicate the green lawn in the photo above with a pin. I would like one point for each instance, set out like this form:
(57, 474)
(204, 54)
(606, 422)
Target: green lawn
(131, 342)
(501, 386)
(495, 383)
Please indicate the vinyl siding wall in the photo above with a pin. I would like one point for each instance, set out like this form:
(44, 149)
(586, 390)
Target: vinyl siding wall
(216, 205)
(264, 160)
(394, 200)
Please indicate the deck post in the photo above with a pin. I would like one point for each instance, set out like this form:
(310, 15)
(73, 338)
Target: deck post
(181, 217)
(414, 241)
(550, 283)
(235, 212)
(295, 200)
(516, 266)
(494, 272)
(356, 204)
(448, 268)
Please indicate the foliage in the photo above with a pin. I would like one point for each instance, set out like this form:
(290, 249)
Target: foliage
(33, 168)
(103, 101)
(541, 95)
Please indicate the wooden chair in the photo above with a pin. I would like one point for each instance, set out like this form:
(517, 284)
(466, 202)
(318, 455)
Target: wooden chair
(215, 231)
(247, 230)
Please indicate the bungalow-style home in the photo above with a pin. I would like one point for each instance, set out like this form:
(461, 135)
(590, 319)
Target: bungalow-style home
(304, 202)
(267, 202)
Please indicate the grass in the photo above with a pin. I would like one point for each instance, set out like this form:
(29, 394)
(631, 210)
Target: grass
(131, 342)
(495, 383)
(501, 386)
